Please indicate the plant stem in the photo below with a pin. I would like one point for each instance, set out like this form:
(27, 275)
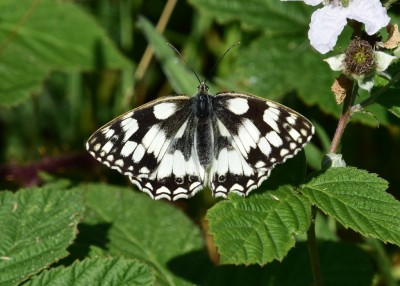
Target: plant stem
(374, 96)
(344, 119)
(312, 250)
(148, 53)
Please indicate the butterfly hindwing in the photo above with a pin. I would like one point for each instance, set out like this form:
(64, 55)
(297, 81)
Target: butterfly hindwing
(178, 173)
(253, 136)
(153, 145)
(175, 146)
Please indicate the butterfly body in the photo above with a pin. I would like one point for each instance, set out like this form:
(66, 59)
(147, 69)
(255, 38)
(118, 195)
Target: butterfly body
(175, 146)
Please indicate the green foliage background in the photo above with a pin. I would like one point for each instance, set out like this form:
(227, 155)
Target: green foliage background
(68, 67)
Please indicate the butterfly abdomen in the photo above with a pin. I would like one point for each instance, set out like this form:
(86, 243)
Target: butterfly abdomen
(203, 133)
(174, 146)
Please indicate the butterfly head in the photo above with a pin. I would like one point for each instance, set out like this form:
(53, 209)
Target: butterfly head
(203, 87)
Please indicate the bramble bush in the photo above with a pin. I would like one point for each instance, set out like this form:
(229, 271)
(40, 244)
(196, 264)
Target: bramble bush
(330, 216)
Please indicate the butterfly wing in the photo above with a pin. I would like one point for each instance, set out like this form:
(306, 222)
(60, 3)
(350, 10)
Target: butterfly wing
(252, 136)
(153, 146)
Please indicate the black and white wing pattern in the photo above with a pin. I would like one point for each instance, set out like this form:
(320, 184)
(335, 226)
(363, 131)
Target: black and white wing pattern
(154, 146)
(252, 135)
(175, 146)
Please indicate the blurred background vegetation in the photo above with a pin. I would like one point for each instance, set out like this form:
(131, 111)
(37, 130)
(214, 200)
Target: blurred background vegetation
(68, 67)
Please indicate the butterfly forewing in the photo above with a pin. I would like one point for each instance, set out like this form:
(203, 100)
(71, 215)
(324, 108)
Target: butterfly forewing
(153, 145)
(253, 135)
(175, 146)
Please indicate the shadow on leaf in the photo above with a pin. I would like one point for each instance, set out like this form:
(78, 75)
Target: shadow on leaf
(88, 236)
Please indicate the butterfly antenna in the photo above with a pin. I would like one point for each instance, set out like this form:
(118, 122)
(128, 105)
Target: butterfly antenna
(183, 59)
(221, 57)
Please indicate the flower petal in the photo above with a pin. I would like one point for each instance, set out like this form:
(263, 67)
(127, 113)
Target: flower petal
(308, 2)
(336, 62)
(313, 2)
(383, 60)
(326, 25)
(366, 82)
(370, 12)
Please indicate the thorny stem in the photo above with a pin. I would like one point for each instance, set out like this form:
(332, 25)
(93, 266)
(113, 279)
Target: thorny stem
(312, 242)
(312, 250)
(344, 119)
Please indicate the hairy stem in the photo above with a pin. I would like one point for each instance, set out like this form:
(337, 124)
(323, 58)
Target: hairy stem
(312, 250)
(344, 119)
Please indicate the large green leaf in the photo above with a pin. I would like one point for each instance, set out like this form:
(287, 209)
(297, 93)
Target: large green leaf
(268, 15)
(98, 271)
(357, 199)
(260, 228)
(274, 66)
(181, 79)
(281, 60)
(37, 37)
(133, 225)
(36, 227)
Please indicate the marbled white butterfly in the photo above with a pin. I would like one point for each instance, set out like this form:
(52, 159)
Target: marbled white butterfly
(175, 146)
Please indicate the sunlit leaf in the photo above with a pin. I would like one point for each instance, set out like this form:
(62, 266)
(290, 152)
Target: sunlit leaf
(36, 227)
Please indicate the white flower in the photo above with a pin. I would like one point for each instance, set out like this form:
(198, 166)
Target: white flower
(329, 21)
(364, 81)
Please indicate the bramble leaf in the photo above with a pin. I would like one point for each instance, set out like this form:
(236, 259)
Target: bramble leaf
(268, 15)
(357, 199)
(97, 271)
(131, 224)
(36, 227)
(68, 40)
(260, 228)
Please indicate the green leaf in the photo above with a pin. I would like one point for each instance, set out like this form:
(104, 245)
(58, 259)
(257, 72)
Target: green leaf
(268, 15)
(381, 113)
(36, 227)
(124, 222)
(272, 67)
(279, 61)
(98, 271)
(260, 228)
(391, 100)
(30, 47)
(357, 199)
(181, 79)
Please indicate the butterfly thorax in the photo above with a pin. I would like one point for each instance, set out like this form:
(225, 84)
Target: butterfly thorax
(175, 146)
(202, 103)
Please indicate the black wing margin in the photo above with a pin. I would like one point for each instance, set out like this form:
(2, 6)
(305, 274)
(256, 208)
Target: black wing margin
(252, 135)
(139, 141)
